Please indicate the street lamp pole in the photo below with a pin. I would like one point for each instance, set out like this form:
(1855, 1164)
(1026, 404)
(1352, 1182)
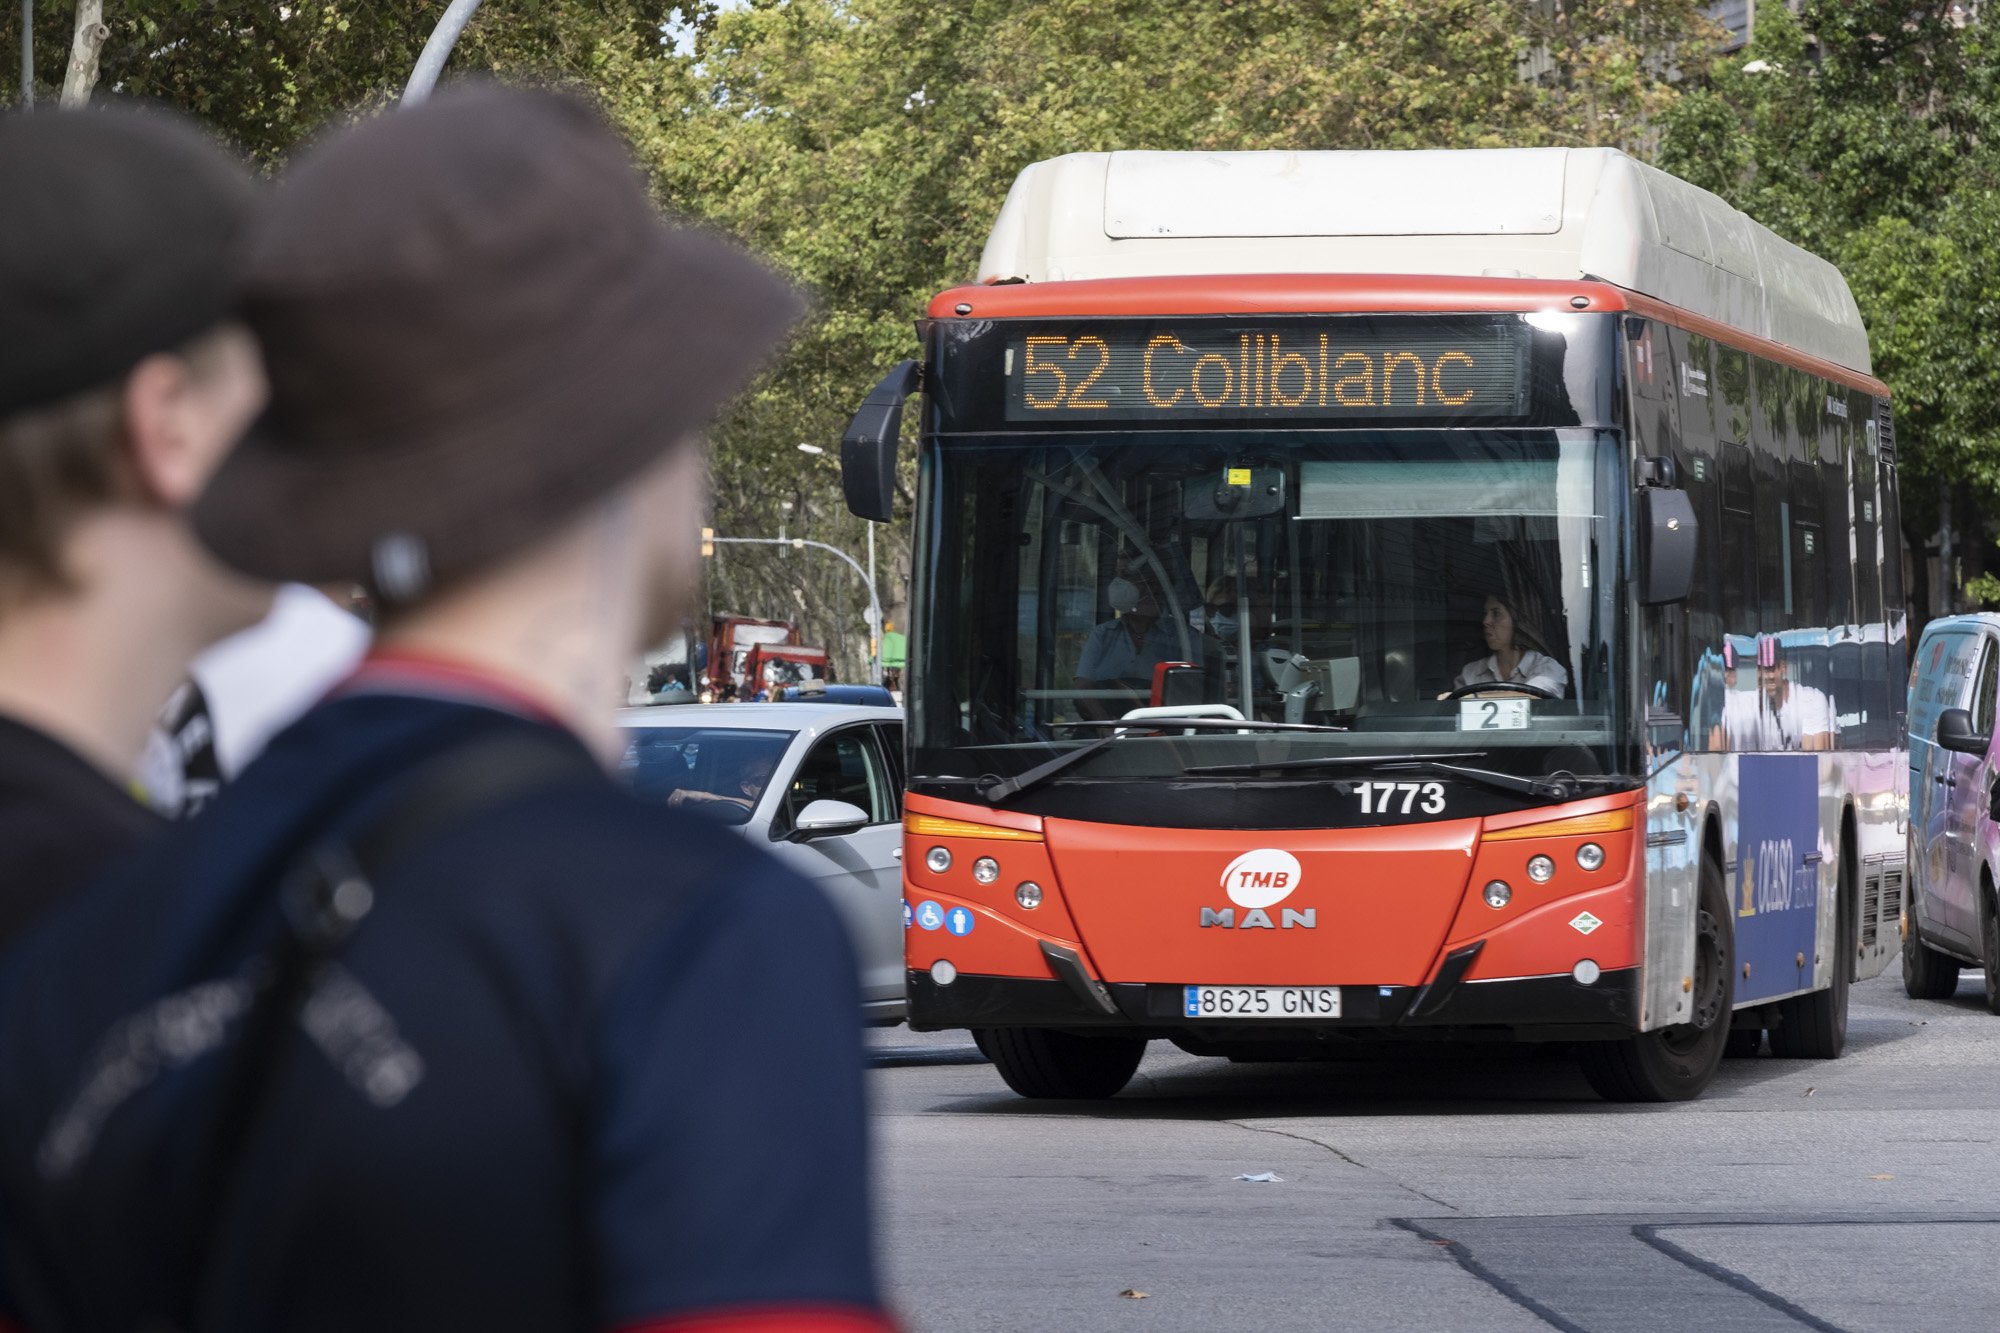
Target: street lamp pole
(799, 544)
(438, 50)
(875, 624)
(27, 55)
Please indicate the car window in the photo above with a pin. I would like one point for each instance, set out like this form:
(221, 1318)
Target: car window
(845, 766)
(711, 771)
(1989, 676)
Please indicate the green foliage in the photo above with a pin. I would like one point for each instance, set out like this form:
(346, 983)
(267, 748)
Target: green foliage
(1871, 142)
(866, 145)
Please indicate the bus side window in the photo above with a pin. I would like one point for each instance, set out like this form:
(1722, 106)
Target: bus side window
(1895, 598)
(1768, 449)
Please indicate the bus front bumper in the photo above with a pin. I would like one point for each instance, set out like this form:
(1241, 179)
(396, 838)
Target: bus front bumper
(1546, 1008)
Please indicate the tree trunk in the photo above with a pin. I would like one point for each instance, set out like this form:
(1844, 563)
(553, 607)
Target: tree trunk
(91, 33)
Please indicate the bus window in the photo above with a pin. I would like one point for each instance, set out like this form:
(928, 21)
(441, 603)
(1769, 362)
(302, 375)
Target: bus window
(1732, 394)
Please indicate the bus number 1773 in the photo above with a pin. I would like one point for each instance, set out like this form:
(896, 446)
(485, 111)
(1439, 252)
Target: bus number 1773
(1401, 798)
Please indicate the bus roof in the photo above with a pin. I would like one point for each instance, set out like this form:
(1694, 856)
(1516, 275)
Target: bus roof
(1549, 213)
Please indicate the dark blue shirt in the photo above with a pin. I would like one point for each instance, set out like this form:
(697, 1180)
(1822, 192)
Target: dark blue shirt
(587, 1064)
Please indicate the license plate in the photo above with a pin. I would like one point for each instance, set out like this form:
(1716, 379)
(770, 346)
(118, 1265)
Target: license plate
(1261, 1001)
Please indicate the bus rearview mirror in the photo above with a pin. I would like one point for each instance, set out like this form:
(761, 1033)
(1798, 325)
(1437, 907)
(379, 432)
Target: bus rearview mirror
(1234, 493)
(1668, 538)
(868, 447)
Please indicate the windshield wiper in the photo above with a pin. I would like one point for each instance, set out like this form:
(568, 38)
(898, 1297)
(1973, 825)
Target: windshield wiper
(996, 792)
(1322, 761)
(1558, 786)
(1561, 785)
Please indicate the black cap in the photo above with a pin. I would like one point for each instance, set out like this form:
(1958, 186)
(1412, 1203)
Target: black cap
(121, 231)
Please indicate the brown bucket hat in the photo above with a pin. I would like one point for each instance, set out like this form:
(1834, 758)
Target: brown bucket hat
(475, 323)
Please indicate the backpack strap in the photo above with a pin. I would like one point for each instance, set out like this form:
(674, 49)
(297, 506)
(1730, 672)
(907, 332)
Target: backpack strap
(324, 894)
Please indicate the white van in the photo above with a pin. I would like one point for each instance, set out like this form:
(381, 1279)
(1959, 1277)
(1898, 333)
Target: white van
(1954, 845)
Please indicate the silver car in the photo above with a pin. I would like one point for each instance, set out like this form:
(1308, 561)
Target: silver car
(818, 785)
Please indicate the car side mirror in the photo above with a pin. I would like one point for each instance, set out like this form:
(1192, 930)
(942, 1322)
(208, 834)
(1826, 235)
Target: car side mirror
(868, 447)
(1955, 733)
(1668, 539)
(827, 819)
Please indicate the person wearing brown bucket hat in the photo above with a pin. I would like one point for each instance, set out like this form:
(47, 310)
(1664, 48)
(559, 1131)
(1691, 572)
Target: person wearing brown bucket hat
(124, 377)
(442, 393)
(424, 1022)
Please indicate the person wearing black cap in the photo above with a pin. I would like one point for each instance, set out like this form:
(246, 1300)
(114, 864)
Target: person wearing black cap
(124, 376)
(425, 1023)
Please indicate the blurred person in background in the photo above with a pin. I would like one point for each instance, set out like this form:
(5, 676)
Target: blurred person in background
(124, 378)
(426, 1023)
(241, 692)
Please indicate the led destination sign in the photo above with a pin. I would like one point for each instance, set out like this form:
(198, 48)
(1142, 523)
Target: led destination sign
(1154, 371)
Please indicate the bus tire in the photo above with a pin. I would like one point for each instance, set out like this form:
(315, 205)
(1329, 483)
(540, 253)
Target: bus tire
(1039, 1062)
(1813, 1026)
(1989, 944)
(1927, 974)
(1676, 1063)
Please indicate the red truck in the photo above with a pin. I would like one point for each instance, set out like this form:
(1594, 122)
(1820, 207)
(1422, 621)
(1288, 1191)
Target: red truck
(750, 655)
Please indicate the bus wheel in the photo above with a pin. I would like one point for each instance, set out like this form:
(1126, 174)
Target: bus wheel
(1814, 1026)
(1675, 1063)
(1037, 1062)
(1989, 946)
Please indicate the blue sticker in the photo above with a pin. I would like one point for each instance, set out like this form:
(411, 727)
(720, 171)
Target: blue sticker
(909, 916)
(929, 915)
(958, 921)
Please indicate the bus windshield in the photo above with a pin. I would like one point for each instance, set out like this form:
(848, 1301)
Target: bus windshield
(1403, 594)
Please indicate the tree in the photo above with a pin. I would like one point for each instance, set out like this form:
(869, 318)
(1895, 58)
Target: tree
(866, 145)
(1864, 131)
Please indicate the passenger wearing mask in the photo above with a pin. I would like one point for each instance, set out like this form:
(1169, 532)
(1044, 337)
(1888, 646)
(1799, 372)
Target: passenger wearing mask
(1513, 660)
(1224, 620)
(1122, 652)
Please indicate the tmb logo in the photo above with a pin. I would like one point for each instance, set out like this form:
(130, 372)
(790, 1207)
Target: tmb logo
(1258, 880)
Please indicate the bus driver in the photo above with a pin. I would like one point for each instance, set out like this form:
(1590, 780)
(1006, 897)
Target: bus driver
(1122, 651)
(1512, 661)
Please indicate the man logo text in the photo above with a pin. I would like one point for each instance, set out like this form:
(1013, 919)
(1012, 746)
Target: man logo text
(1289, 918)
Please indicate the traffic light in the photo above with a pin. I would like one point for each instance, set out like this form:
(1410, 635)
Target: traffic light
(707, 542)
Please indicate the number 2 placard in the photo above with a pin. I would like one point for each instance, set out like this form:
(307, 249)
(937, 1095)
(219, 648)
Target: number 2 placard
(1492, 714)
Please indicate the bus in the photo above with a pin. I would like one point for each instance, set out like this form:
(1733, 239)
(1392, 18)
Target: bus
(1394, 597)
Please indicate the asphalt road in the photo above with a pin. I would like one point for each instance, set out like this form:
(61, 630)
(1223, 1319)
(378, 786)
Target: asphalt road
(1478, 1193)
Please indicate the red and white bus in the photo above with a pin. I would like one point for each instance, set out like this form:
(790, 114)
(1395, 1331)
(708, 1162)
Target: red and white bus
(1394, 596)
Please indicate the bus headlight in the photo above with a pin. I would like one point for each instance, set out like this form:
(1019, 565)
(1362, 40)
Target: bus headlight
(938, 859)
(1498, 894)
(1028, 894)
(986, 870)
(1590, 856)
(1541, 869)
